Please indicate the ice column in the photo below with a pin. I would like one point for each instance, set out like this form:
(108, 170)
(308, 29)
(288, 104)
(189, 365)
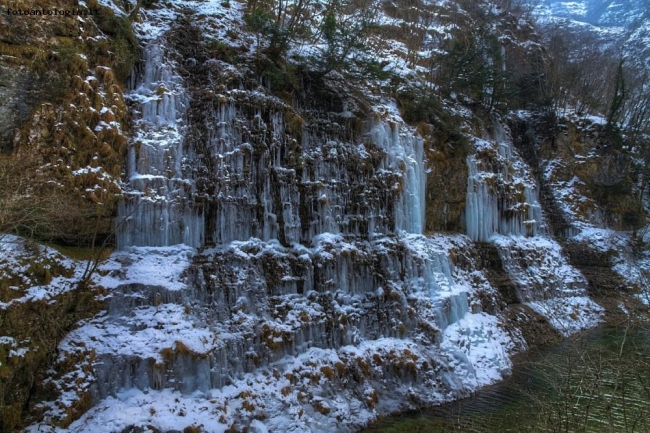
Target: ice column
(482, 210)
(451, 303)
(502, 200)
(404, 153)
(157, 209)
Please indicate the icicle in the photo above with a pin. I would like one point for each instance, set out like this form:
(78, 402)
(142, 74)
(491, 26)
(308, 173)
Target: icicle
(489, 208)
(405, 154)
(157, 211)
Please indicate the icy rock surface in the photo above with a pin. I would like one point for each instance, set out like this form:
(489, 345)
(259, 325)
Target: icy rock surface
(338, 332)
(314, 302)
(273, 275)
(157, 210)
(251, 178)
(548, 283)
(501, 195)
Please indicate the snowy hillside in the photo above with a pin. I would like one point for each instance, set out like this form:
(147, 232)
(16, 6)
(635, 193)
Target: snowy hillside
(620, 25)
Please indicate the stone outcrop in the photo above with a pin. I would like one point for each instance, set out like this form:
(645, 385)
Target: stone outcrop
(19, 94)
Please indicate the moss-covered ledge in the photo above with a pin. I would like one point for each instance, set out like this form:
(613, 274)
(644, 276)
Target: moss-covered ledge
(42, 296)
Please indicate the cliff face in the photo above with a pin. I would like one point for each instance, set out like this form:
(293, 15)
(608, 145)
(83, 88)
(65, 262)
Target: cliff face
(41, 300)
(280, 263)
(18, 96)
(64, 118)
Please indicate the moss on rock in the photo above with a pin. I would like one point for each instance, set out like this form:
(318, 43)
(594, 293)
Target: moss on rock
(32, 326)
(68, 136)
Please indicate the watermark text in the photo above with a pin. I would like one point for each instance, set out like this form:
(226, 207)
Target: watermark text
(54, 12)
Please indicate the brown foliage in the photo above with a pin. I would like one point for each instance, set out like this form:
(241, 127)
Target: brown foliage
(36, 208)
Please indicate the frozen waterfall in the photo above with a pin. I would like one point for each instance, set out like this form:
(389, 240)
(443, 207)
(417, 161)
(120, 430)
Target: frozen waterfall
(501, 197)
(157, 210)
(254, 179)
(405, 153)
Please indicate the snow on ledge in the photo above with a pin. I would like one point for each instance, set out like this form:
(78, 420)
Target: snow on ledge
(569, 315)
(153, 266)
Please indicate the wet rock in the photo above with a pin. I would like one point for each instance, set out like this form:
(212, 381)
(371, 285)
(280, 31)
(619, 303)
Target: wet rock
(19, 94)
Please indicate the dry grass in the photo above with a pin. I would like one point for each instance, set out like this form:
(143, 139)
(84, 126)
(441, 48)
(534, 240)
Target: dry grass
(318, 405)
(328, 372)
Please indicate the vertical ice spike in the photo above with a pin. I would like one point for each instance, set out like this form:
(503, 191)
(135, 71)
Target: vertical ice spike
(157, 210)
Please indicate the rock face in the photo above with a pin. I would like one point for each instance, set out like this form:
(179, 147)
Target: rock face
(61, 130)
(41, 299)
(276, 264)
(18, 96)
(501, 195)
(573, 158)
(63, 118)
(253, 166)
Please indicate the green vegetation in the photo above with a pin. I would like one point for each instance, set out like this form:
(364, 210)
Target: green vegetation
(218, 50)
(341, 37)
